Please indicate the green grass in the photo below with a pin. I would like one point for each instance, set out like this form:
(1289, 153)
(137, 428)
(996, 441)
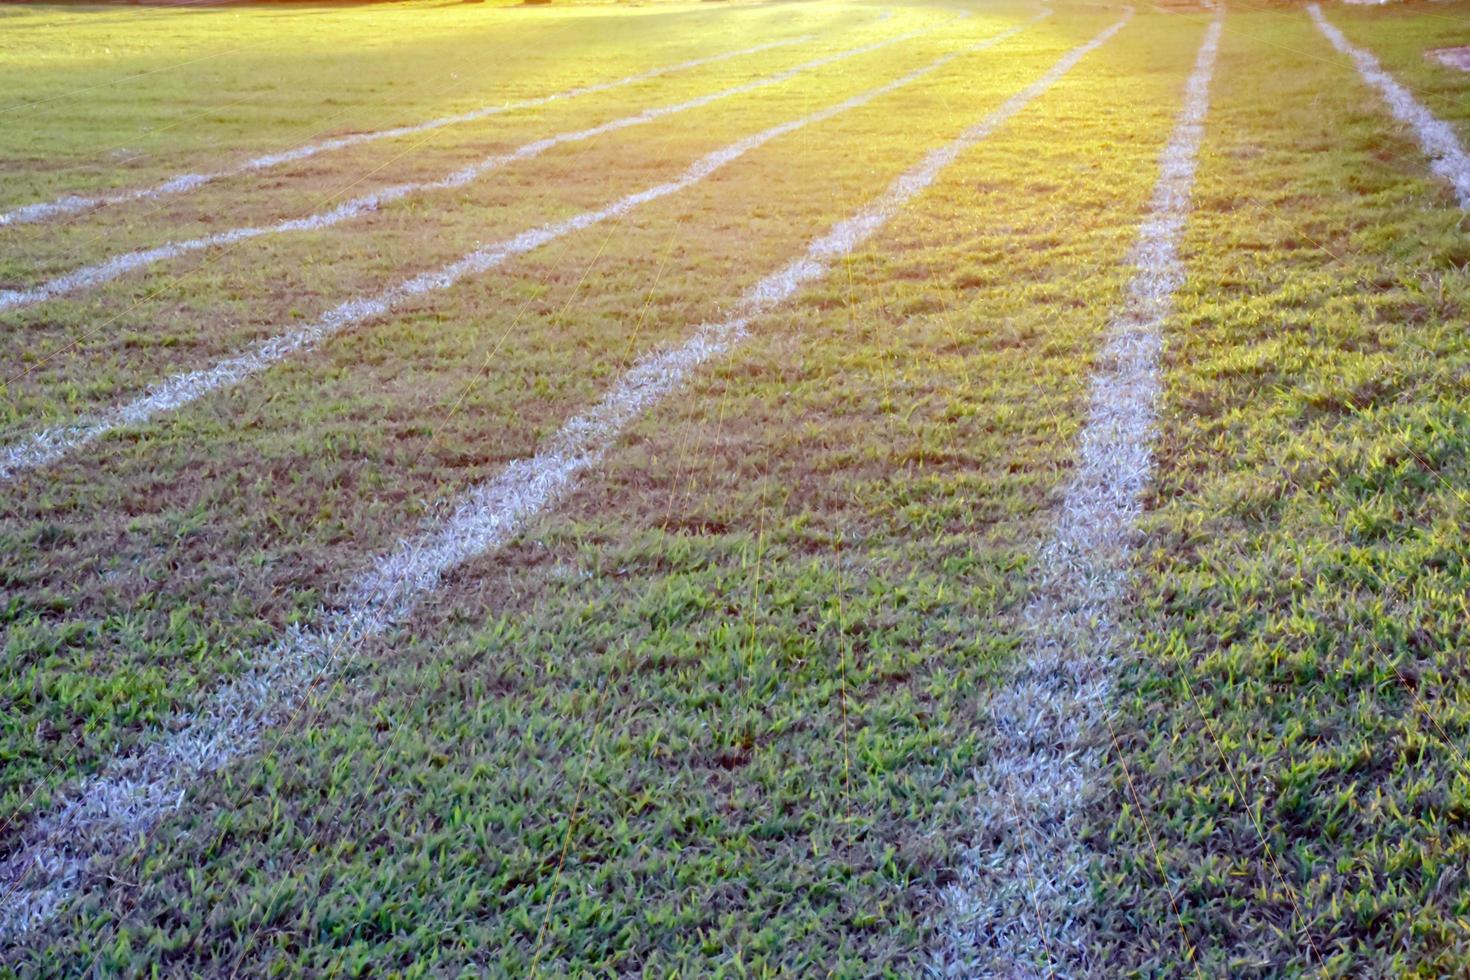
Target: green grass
(1400, 35)
(1293, 730)
(716, 714)
(299, 478)
(119, 98)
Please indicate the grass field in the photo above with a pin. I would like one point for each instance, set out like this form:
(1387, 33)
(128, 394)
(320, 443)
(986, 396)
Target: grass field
(662, 593)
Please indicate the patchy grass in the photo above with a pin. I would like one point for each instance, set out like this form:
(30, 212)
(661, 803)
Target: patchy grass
(117, 98)
(1292, 733)
(301, 475)
(1401, 36)
(666, 668)
(717, 714)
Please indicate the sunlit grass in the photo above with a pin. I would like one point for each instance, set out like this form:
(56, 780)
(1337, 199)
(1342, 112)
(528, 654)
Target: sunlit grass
(718, 712)
(1296, 721)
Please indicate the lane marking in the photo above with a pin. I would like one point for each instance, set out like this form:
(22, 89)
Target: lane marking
(72, 203)
(1019, 906)
(179, 390)
(106, 813)
(92, 276)
(1447, 157)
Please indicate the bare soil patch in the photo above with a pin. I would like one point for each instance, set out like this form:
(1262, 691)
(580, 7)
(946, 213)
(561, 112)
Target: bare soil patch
(1451, 57)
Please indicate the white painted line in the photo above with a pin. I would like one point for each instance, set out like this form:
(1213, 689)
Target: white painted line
(1447, 157)
(1019, 907)
(89, 277)
(72, 203)
(105, 813)
(174, 392)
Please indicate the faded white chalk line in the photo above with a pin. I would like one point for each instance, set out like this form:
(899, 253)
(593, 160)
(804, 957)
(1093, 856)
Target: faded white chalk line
(92, 276)
(178, 390)
(105, 813)
(1019, 906)
(1447, 156)
(73, 203)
